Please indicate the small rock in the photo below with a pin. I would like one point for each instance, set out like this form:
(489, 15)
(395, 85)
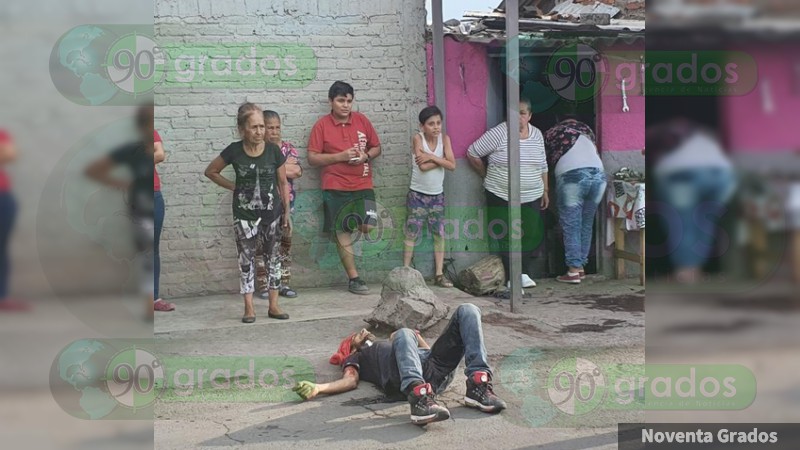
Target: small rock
(407, 302)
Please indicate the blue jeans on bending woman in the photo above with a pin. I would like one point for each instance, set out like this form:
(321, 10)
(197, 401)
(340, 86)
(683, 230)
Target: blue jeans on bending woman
(693, 202)
(579, 194)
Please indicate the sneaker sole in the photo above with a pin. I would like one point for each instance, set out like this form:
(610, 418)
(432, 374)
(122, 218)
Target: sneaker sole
(358, 292)
(476, 404)
(569, 281)
(424, 420)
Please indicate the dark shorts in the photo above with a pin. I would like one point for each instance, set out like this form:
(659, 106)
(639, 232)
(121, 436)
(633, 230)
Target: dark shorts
(348, 210)
(424, 210)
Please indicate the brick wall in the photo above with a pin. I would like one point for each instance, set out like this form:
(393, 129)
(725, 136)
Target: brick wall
(377, 46)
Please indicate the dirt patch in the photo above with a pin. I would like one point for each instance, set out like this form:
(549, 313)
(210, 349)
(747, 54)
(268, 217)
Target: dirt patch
(705, 327)
(777, 304)
(619, 303)
(592, 327)
(500, 320)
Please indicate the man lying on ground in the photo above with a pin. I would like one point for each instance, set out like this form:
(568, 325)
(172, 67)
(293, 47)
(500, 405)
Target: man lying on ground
(405, 364)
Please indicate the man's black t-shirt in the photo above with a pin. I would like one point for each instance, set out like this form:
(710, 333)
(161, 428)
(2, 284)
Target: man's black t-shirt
(377, 365)
(140, 163)
(256, 194)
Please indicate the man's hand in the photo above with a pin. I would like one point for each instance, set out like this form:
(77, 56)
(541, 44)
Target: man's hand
(306, 389)
(349, 155)
(391, 336)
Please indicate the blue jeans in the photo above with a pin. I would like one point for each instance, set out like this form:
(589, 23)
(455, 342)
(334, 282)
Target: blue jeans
(158, 218)
(579, 193)
(8, 210)
(463, 338)
(693, 200)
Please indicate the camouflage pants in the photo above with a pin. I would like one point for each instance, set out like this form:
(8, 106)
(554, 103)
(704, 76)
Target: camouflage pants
(250, 238)
(285, 259)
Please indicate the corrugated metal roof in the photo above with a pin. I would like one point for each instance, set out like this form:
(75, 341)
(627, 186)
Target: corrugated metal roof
(523, 5)
(568, 8)
(546, 39)
(526, 25)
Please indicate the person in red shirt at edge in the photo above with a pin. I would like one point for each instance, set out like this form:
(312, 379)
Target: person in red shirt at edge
(8, 209)
(158, 217)
(344, 143)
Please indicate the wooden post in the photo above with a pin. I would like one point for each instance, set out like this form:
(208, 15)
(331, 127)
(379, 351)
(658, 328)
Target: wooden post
(641, 254)
(796, 256)
(619, 246)
(758, 241)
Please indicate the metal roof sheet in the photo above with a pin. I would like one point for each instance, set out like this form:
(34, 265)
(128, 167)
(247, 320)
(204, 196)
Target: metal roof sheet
(568, 8)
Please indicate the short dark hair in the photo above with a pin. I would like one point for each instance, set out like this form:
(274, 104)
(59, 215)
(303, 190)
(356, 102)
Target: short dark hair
(269, 114)
(340, 88)
(429, 112)
(527, 103)
(144, 116)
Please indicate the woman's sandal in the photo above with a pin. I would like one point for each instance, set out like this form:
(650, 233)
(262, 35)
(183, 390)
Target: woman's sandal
(441, 281)
(248, 319)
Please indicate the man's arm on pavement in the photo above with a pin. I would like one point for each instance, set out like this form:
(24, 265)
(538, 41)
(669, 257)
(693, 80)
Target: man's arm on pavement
(308, 390)
(348, 382)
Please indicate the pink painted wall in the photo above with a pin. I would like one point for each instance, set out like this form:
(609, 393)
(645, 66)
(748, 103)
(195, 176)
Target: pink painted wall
(748, 127)
(467, 101)
(620, 131)
(466, 98)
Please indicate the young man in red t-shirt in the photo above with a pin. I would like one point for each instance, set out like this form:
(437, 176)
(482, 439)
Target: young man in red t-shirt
(344, 143)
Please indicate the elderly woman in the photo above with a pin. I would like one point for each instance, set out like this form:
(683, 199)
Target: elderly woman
(580, 184)
(533, 186)
(260, 204)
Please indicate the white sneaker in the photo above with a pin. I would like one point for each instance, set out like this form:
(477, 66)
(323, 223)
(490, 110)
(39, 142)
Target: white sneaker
(508, 285)
(527, 282)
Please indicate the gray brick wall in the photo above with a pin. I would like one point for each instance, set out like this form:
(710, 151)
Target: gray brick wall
(377, 46)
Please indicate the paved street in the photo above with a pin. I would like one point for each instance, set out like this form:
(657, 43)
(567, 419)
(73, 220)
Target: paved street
(603, 315)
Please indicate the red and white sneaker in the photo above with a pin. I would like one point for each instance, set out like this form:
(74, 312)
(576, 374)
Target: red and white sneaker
(571, 278)
(161, 305)
(424, 408)
(480, 394)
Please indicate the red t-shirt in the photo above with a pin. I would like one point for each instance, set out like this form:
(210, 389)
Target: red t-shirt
(156, 180)
(5, 182)
(329, 136)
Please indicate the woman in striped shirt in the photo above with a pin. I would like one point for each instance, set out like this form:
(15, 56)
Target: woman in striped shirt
(493, 146)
